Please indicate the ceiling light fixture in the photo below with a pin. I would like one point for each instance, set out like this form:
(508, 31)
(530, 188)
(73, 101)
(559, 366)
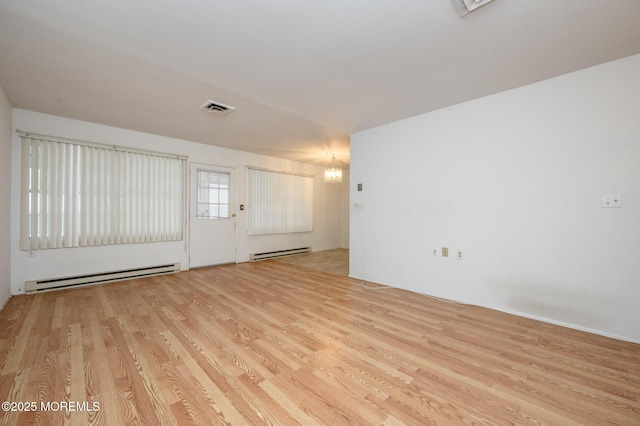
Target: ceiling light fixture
(334, 173)
(465, 6)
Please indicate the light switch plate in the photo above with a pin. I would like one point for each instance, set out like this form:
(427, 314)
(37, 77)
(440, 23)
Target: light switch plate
(612, 201)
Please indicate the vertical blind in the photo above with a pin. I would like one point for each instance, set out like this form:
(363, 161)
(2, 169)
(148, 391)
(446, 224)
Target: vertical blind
(279, 202)
(76, 194)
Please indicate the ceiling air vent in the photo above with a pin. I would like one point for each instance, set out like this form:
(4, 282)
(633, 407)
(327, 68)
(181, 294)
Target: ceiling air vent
(216, 107)
(465, 6)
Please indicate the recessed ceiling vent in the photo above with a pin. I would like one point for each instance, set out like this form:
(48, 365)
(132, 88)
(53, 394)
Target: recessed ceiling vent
(216, 107)
(465, 6)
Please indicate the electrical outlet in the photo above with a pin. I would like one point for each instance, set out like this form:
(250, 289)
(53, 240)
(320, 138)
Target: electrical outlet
(459, 255)
(445, 251)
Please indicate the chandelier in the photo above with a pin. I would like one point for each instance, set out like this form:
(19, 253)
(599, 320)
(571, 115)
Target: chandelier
(334, 173)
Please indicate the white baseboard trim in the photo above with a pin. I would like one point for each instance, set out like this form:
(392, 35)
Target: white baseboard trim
(569, 325)
(534, 317)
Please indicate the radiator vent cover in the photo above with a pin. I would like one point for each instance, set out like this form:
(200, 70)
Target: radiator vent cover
(279, 253)
(216, 107)
(99, 278)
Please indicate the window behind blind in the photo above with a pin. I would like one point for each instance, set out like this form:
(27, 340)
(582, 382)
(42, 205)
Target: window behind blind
(279, 202)
(76, 194)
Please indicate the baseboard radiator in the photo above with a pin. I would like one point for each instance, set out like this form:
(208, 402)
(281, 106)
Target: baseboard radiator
(99, 278)
(278, 253)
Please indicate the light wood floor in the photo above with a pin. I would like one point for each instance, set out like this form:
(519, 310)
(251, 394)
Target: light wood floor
(335, 261)
(272, 343)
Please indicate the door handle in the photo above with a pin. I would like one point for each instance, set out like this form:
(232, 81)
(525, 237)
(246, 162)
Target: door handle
(233, 215)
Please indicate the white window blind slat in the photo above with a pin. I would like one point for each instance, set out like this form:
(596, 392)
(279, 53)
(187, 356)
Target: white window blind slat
(91, 199)
(56, 164)
(162, 236)
(44, 201)
(84, 195)
(101, 199)
(35, 199)
(116, 206)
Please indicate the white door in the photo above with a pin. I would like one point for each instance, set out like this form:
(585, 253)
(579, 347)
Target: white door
(212, 229)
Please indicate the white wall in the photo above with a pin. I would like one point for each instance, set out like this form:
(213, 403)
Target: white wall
(71, 261)
(515, 181)
(5, 197)
(344, 210)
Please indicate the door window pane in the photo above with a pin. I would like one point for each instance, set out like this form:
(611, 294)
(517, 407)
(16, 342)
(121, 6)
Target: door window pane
(213, 195)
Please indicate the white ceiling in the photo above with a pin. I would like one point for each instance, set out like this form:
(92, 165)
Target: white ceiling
(303, 75)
